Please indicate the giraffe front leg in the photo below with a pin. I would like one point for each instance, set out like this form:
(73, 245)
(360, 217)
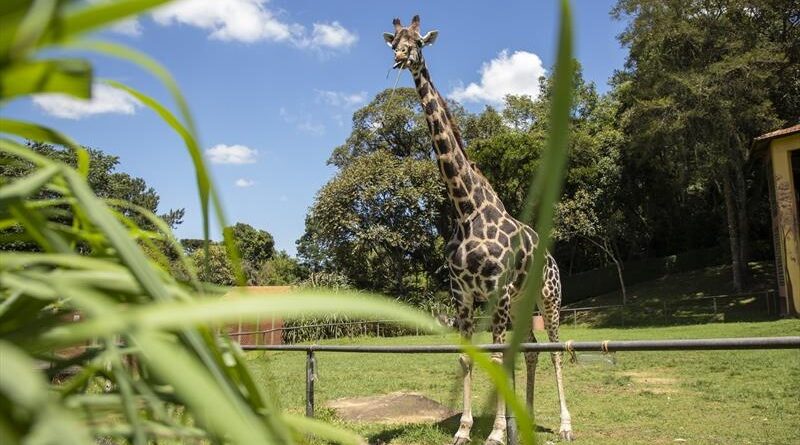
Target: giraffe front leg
(500, 322)
(464, 427)
(498, 434)
(565, 430)
(464, 311)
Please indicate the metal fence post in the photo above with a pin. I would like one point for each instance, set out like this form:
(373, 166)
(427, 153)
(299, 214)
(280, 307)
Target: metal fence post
(714, 300)
(768, 302)
(511, 421)
(310, 375)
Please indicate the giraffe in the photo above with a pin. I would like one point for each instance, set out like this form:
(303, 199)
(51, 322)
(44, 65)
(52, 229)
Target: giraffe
(490, 251)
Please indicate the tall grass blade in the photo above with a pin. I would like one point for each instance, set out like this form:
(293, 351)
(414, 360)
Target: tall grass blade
(145, 62)
(546, 186)
(33, 26)
(94, 17)
(204, 182)
(65, 76)
(247, 308)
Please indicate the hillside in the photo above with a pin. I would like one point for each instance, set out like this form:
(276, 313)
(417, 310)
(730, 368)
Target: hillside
(679, 298)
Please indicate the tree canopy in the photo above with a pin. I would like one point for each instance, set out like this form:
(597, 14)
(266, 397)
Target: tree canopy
(701, 80)
(105, 180)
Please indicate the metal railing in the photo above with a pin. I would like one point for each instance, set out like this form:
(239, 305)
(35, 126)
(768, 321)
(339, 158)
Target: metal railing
(703, 344)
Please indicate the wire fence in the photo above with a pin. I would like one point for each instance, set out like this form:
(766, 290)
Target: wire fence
(687, 310)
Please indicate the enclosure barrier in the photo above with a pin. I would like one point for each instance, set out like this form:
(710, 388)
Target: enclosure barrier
(662, 310)
(702, 344)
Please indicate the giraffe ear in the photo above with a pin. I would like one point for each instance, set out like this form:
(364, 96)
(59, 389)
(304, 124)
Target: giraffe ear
(415, 24)
(389, 37)
(429, 38)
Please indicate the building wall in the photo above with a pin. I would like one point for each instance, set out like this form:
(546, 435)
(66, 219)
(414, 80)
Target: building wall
(264, 330)
(785, 221)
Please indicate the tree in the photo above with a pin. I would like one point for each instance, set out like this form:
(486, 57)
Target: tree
(393, 122)
(105, 181)
(281, 270)
(594, 206)
(255, 246)
(375, 222)
(701, 80)
(219, 269)
(387, 182)
(591, 222)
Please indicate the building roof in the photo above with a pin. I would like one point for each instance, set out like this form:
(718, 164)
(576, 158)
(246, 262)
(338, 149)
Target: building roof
(777, 133)
(762, 141)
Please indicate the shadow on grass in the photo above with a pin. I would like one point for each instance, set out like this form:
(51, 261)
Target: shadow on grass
(671, 313)
(682, 299)
(447, 427)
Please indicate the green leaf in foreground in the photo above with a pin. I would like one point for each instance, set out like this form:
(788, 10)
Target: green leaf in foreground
(65, 76)
(249, 306)
(546, 186)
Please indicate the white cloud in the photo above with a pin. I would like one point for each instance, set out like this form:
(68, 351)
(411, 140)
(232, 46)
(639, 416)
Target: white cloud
(251, 21)
(331, 36)
(304, 123)
(130, 27)
(342, 99)
(244, 183)
(105, 100)
(231, 154)
(242, 20)
(517, 74)
(309, 126)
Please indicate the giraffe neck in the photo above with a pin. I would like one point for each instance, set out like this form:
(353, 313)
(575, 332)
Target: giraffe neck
(468, 190)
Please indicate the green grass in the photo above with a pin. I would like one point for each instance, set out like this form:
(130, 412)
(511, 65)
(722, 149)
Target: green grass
(726, 397)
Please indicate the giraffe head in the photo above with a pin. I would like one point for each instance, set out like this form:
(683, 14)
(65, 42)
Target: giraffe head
(407, 43)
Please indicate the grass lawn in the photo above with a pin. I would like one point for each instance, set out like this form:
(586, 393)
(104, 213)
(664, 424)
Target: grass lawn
(745, 397)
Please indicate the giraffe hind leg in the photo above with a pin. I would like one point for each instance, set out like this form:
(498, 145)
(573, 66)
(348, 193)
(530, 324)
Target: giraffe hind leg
(531, 360)
(551, 299)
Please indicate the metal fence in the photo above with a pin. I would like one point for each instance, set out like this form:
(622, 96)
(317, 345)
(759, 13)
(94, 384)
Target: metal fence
(606, 346)
(663, 312)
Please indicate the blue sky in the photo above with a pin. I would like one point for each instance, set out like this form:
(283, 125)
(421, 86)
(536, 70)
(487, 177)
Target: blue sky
(273, 86)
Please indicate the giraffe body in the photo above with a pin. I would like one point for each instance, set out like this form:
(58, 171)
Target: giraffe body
(490, 251)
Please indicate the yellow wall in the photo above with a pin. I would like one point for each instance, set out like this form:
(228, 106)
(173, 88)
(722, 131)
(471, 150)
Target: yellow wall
(787, 213)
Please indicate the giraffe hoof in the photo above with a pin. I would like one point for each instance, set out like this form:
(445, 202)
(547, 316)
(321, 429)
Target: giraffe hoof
(493, 442)
(461, 440)
(566, 435)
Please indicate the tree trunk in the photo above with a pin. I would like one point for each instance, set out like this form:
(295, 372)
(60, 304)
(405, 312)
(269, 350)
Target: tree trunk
(618, 264)
(733, 230)
(621, 281)
(742, 222)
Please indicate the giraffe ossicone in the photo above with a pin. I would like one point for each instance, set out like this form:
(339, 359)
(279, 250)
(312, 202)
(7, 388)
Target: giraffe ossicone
(490, 251)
